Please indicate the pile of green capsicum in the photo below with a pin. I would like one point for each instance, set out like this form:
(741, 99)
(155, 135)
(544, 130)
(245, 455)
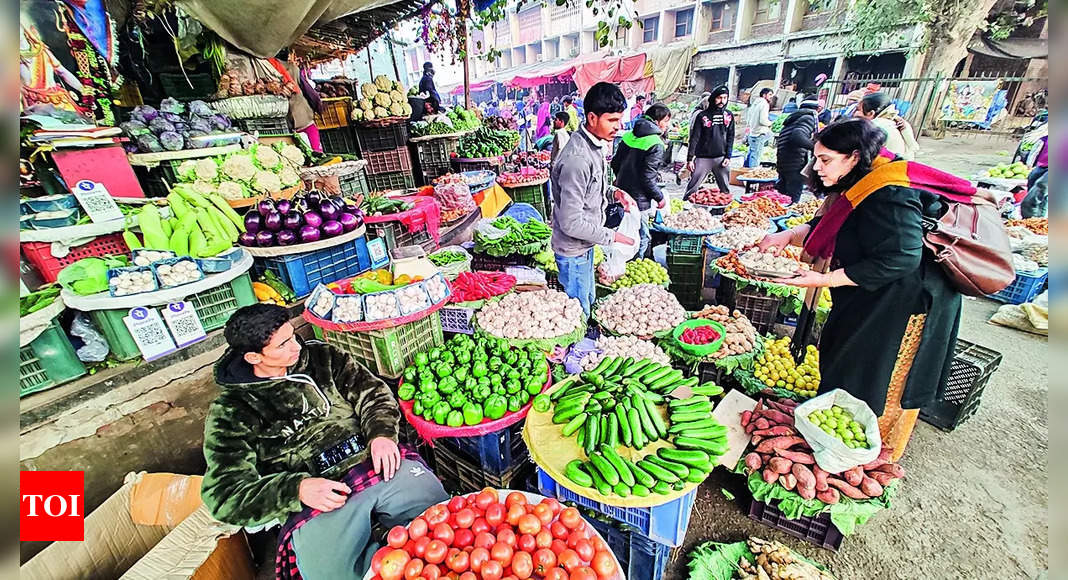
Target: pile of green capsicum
(470, 380)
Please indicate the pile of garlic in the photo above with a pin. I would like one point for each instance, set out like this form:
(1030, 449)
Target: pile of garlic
(531, 315)
(625, 346)
(641, 310)
(132, 282)
(178, 273)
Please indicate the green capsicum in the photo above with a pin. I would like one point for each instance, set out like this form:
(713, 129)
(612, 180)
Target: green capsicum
(480, 392)
(460, 373)
(421, 359)
(463, 357)
(479, 370)
(513, 375)
(406, 392)
(410, 374)
(441, 412)
(443, 369)
(542, 403)
(457, 399)
(495, 406)
(534, 386)
(448, 357)
(447, 385)
(495, 363)
(513, 386)
(417, 407)
(496, 380)
(471, 383)
(514, 404)
(472, 414)
(455, 418)
(435, 353)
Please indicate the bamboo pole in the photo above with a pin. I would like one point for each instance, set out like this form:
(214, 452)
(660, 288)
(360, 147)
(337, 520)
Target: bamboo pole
(462, 12)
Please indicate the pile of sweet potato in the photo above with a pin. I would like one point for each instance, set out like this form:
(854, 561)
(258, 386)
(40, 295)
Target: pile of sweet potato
(781, 454)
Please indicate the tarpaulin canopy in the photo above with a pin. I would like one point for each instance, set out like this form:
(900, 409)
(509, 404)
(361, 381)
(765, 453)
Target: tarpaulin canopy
(614, 69)
(542, 73)
(669, 65)
(475, 87)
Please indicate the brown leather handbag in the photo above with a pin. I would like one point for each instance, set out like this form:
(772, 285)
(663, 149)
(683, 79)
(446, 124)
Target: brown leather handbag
(970, 243)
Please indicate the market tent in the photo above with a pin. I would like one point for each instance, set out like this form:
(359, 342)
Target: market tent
(542, 73)
(475, 87)
(669, 65)
(626, 71)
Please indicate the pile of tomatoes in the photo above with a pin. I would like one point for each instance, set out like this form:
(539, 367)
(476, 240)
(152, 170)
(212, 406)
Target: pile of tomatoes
(476, 536)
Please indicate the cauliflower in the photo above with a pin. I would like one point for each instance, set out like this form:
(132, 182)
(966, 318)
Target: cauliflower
(187, 170)
(292, 154)
(357, 114)
(397, 97)
(407, 109)
(231, 190)
(383, 83)
(396, 109)
(206, 169)
(267, 158)
(381, 112)
(366, 105)
(239, 167)
(288, 177)
(398, 87)
(369, 115)
(369, 91)
(204, 187)
(266, 181)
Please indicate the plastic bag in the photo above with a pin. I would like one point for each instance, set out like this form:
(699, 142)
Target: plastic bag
(831, 454)
(487, 230)
(618, 254)
(579, 351)
(95, 347)
(89, 275)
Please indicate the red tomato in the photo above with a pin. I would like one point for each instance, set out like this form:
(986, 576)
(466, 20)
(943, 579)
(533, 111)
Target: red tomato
(502, 553)
(393, 565)
(556, 574)
(485, 540)
(463, 538)
(479, 556)
(569, 559)
(414, 569)
(583, 573)
(570, 517)
(515, 497)
(522, 565)
(529, 524)
(544, 513)
(480, 526)
(598, 544)
(503, 527)
(515, 511)
(458, 561)
(444, 533)
(559, 530)
(507, 537)
(604, 564)
(486, 498)
(544, 538)
(436, 514)
(544, 560)
(468, 576)
(585, 550)
(529, 507)
(397, 537)
(376, 560)
(418, 528)
(432, 572)
(435, 551)
(553, 504)
(457, 503)
(464, 518)
(557, 547)
(492, 570)
(495, 514)
(574, 538)
(419, 550)
(526, 543)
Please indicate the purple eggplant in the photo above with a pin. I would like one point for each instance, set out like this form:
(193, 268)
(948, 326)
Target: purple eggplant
(313, 199)
(332, 228)
(309, 234)
(266, 206)
(286, 238)
(253, 222)
(349, 221)
(328, 211)
(247, 239)
(284, 206)
(264, 239)
(313, 219)
(293, 221)
(273, 221)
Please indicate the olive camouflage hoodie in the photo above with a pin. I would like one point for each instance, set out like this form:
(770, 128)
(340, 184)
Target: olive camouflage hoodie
(263, 436)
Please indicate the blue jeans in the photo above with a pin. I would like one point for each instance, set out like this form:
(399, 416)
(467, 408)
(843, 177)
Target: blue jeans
(576, 276)
(756, 147)
(644, 237)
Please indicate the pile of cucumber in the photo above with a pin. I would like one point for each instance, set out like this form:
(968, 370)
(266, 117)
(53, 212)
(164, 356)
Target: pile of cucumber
(618, 403)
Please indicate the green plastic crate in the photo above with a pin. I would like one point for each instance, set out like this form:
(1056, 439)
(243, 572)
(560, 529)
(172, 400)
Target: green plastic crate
(533, 195)
(686, 245)
(214, 307)
(48, 361)
(686, 273)
(391, 349)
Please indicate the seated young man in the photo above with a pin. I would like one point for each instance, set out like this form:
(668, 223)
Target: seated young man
(302, 434)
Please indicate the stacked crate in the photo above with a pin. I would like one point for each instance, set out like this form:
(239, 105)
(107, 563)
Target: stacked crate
(385, 149)
(686, 267)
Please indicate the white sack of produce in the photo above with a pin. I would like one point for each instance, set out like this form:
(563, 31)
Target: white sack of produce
(526, 315)
(831, 453)
(616, 255)
(641, 310)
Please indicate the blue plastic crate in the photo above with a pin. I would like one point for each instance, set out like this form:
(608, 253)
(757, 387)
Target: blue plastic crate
(1024, 288)
(665, 523)
(639, 557)
(301, 272)
(496, 452)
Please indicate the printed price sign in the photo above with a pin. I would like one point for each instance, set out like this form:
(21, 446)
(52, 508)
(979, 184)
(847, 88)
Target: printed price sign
(96, 201)
(182, 319)
(377, 250)
(149, 333)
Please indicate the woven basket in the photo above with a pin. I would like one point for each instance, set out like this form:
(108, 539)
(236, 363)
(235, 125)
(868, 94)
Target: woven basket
(252, 106)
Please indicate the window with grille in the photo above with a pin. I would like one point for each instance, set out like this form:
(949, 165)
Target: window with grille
(650, 29)
(683, 23)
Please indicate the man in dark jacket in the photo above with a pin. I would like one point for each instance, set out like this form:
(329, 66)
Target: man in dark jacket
(793, 146)
(711, 143)
(426, 85)
(301, 427)
(637, 164)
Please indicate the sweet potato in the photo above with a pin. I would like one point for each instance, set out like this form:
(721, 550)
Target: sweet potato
(788, 409)
(845, 488)
(762, 423)
(788, 481)
(891, 468)
(882, 477)
(804, 476)
(769, 475)
(806, 491)
(853, 476)
(777, 417)
(821, 478)
(753, 461)
(776, 431)
(784, 442)
(871, 487)
(780, 465)
(746, 416)
(882, 459)
(796, 456)
(757, 439)
(828, 496)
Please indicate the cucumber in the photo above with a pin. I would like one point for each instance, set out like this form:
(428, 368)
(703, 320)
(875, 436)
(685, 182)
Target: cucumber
(685, 417)
(612, 368)
(656, 375)
(684, 402)
(624, 425)
(690, 382)
(687, 457)
(602, 396)
(709, 389)
(598, 482)
(646, 421)
(580, 437)
(640, 490)
(693, 408)
(638, 439)
(565, 389)
(677, 469)
(621, 489)
(602, 365)
(572, 399)
(658, 421)
(641, 476)
(577, 474)
(661, 474)
(627, 362)
(709, 434)
(679, 485)
(666, 380)
(602, 430)
(716, 446)
(695, 476)
(650, 369)
(610, 475)
(574, 424)
(612, 437)
(680, 426)
(617, 463)
(634, 368)
(563, 416)
(592, 423)
(662, 488)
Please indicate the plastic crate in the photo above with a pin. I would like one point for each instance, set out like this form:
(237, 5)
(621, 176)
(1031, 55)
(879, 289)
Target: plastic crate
(338, 140)
(157, 181)
(265, 126)
(459, 475)
(391, 181)
(760, 309)
(302, 272)
(816, 530)
(665, 523)
(188, 86)
(489, 263)
(396, 235)
(457, 319)
(432, 171)
(354, 184)
(382, 138)
(461, 165)
(39, 254)
(686, 245)
(436, 151)
(497, 453)
(1024, 288)
(391, 349)
(390, 161)
(533, 195)
(686, 273)
(969, 374)
(48, 361)
(336, 113)
(639, 557)
(214, 307)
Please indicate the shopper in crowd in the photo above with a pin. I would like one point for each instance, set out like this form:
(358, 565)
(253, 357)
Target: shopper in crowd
(560, 133)
(700, 105)
(544, 126)
(794, 148)
(758, 125)
(426, 85)
(880, 110)
(893, 324)
(638, 109)
(304, 101)
(555, 106)
(1037, 199)
(303, 435)
(572, 113)
(711, 143)
(637, 165)
(580, 193)
(825, 115)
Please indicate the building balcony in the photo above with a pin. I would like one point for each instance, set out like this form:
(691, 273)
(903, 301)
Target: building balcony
(765, 31)
(720, 37)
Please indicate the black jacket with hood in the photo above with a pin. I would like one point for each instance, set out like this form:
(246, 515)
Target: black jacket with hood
(263, 436)
(637, 162)
(712, 134)
(794, 141)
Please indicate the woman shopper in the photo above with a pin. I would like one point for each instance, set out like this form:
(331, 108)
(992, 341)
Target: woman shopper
(880, 110)
(890, 335)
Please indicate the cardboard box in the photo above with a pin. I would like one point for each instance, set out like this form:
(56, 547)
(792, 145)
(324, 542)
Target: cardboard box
(154, 527)
(735, 172)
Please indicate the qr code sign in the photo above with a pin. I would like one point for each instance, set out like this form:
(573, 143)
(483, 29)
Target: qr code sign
(185, 326)
(98, 203)
(150, 334)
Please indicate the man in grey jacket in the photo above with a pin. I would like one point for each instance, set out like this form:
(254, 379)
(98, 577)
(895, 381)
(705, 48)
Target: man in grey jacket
(580, 189)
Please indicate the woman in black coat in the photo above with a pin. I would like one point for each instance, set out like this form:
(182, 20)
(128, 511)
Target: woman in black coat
(893, 324)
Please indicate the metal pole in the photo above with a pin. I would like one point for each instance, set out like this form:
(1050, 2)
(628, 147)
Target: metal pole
(370, 67)
(462, 10)
(393, 57)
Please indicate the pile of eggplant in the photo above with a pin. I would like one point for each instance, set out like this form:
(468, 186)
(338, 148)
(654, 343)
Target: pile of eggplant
(308, 217)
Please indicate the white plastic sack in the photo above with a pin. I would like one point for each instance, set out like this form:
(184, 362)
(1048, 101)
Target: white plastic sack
(616, 255)
(679, 154)
(831, 454)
